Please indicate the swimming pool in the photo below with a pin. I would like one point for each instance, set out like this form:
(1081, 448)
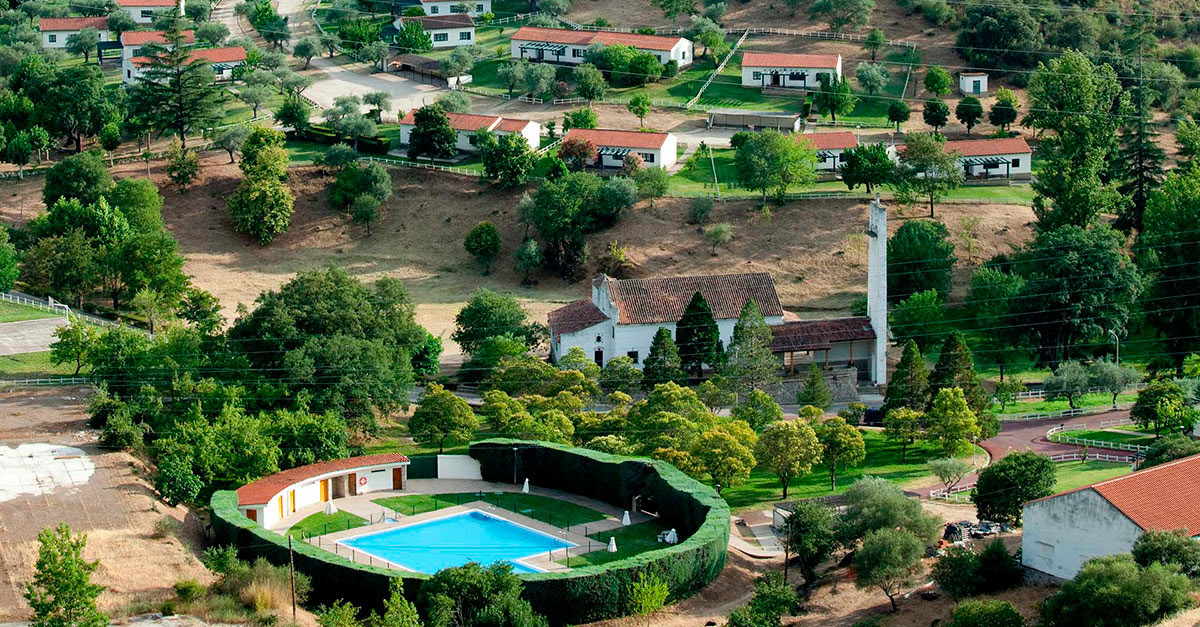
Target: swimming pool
(454, 540)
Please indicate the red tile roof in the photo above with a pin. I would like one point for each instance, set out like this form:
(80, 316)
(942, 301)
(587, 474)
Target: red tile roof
(619, 139)
(437, 22)
(143, 37)
(647, 301)
(790, 60)
(512, 125)
(467, 122)
(58, 24)
(229, 54)
(1164, 497)
(587, 38)
(146, 3)
(807, 335)
(575, 316)
(988, 147)
(838, 140)
(261, 491)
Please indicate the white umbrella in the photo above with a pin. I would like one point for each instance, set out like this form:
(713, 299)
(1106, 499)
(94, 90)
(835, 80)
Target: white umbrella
(612, 544)
(625, 519)
(330, 508)
(525, 488)
(672, 537)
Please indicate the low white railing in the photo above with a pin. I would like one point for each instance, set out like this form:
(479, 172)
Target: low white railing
(420, 166)
(953, 495)
(1055, 435)
(1100, 457)
(691, 103)
(44, 382)
(54, 307)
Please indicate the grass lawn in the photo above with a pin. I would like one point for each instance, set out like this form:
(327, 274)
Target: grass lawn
(322, 523)
(1073, 475)
(304, 152)
(551, 511)
(1011, 194)
(1112, 436)
(1087, 400)
(631, 541)
(237, 111)
(883, 460)
(13, 312)
(34, 364)
(873, 108)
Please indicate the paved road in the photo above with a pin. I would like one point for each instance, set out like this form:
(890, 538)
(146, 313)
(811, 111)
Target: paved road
(29, 336)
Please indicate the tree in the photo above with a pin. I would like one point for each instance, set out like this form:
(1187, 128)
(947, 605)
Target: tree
(874, 503)
(119, 21)
(175, 91)
(652, 182)
(872, 77)
(724, 457)
(71, 344)
(294, 112)
(809, 537)
(412, 38)
(508, 160)
(9, 269)
(1169, 448)
(476, 596)
(483, 243)
(662, 364)
(935, 113)
(441, 418)
(1000, 36)
(81, 176)
(955, 368)
(770, 160)
(647, 594)
(950, 423)
(61, 593)
(18, 152)
(183, 166)
(1007, 484)
(698, 337)
(261, 208)
(255, 96)
(307, 48)
(905, 426)
(1157, 404)
(969, 111)
(868, 165)
(1167, 548)
(990, 299)
(957, 572)
(1069, 381)
(589, 82)
(815, 391)
(1004, 110)
(926, 169)
(919, 318)
(583, 117)
(1000, 569)
(910, 382)
(839, 14)
(74, 102)
(1113, 591)
(874, 42)
(489, 314)
(938, 81)
(834, 97)
(639, 105)
(578, 152)
(843, 447)
(83, 43)
(212, 33)
(1141, 170)
(749, 363)
(986, 613)
(888, 559)
(898, 113)
(1166, 251)
(527, 258)
(431, 135)
(757, 409)
(789, 449)
(949, 471)
(920, 257)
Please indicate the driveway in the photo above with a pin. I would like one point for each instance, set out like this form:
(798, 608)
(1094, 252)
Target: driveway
(28, 336)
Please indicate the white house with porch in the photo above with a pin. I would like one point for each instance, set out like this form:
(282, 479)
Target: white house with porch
(788, 70)
(445, 31)
(275, 497)
(1008, 157)
(659, 150)
(566, 46)
(829, 148)
(466, 125)
(143, 11)
(56, 30)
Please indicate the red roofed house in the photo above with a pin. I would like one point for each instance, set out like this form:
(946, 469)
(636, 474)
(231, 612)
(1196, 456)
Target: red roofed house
(134, 43)
(798, 71)
(223, 61)
(1008, 157)
(561, 45)
(1063, 531)
(656, 149)
(445, 31)
(465, 124)
(829, 147)
(56, 30)
(143, 11)
(275, 497)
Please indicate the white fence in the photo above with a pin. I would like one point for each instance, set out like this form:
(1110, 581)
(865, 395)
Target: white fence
(44, 382)
(691, 103)
(1100, 457)
(55, 308)
(1055, 435)
(421, 166)
(1040, 393)
(953, 495)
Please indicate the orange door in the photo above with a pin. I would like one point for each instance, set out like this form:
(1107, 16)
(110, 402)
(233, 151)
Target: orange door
(281, 507)
(252, 514)
(353, 484)
(324, 490)
(398, 478)
(292, 501)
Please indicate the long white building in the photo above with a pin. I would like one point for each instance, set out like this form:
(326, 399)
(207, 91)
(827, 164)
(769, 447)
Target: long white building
(466, 124)
(56, 30)
(784, 70)
(1008, 157)
(143, 11)
(270, 499)
(659, 150)
(561, 45)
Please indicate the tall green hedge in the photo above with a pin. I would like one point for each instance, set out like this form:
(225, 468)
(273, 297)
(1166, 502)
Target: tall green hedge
(581, 595)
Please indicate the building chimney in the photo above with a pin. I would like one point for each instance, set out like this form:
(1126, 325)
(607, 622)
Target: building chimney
(877, 289)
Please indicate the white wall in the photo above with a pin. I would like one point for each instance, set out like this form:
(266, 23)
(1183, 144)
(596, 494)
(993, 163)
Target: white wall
(809, 77)
(454, 37)
(377, 480)
(832, 162)
(478, 7)
(60, 37)
(1024, 166)
(966, 84)
(632, 337)
(308, 494)
(682, 53)
(145, 15)
(458, 467)
(1062, 533)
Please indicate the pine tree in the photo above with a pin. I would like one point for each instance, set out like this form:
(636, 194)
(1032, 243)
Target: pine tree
(662, 365)
(910, 383)
(749, 362)
(699, 338)
(175, 90)
(1140, 163)
(956, 369)
(815, 391)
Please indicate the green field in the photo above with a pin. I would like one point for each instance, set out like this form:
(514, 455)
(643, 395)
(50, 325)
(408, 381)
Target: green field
(631, 541)
(1087, 400)
(322, 523)
(1073, 475)
(550, 511)
(33, 365)
(883, 460)
(12, 312)
(1111, 436)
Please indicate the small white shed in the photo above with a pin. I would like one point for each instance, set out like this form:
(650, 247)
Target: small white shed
(973, 83)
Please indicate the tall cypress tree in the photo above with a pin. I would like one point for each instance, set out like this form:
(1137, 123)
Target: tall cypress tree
(956, 369)
(662, 365)
(699, 338)
(175, 91)
(1140, 160)
(749, 363)
(910, 383)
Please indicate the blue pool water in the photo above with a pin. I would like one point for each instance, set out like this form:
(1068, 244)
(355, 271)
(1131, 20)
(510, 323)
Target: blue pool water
(455, 540)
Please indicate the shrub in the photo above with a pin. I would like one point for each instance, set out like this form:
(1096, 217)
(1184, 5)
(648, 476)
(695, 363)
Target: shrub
(1114, 592)
(483, 243)
(120, 432)
(166, 527)
(189, 590)
(261, 208)
(956, 572)
(700, 210)
(998, 569)
(356, 179)
(990, 613)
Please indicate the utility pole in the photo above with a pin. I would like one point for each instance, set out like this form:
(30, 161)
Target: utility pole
(292, 578)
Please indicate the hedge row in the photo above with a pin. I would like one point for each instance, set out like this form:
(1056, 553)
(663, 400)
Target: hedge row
(325, 135)
(578, 596)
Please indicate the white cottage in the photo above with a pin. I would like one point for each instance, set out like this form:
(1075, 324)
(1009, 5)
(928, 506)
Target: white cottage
(1063, 531)
(56, 30)
(829, 147)
(475, 8)
(1008, 157)
(659, 150)
(466, 124)
(143, 11)
(445, 31)
(561, 45)
(223, 61)
(273, 498)
(783, 70)
(973, 83)
(134, 43)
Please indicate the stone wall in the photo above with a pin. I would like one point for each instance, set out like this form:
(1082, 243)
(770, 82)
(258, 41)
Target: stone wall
(842, 382)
